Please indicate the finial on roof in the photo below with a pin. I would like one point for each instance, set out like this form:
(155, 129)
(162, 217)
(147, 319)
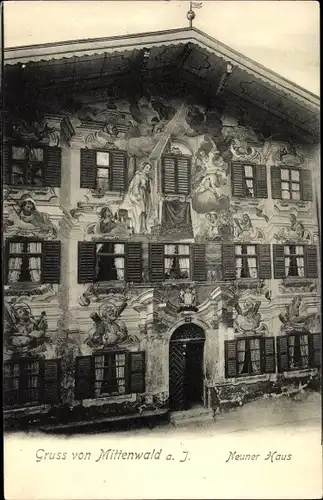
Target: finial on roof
(191, 13)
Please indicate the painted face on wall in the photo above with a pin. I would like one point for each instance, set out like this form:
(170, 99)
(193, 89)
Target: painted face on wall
(147, 168)
(27, 207)
(22, 314)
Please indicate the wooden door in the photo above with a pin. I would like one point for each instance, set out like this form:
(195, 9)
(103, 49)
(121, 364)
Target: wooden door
(177, 375)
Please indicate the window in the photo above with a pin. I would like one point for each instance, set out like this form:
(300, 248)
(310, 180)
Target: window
(176, 174)
(177, 261)
(290, 184)
(24, 265)
(246, 261)
(31, 166)
(294, 260)
(32, 262)
(31, 381)
(249, 356)
(109, 373)
(103, 170)
(249, 180)
(109, 261)
(299, 351)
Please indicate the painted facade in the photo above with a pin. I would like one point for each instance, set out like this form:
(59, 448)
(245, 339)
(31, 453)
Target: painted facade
(150, 236)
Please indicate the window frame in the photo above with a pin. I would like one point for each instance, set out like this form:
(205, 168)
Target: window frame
(291, 182)
(261, 357)
(111, 354)
(175, 158)
(110, 168)
(309, 354)
(295, 255)
(244, 257)
(26, 254)
(25, 163)
(253, 179)
(106, 254)
(177, 257)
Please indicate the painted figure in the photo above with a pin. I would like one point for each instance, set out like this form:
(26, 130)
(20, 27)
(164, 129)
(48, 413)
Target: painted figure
(22, 329)
(138, 200)
(107, 221)
(295, 312)
(107, 329)
(295, 232)
(28, 218)
(248, 318)
(244, 229)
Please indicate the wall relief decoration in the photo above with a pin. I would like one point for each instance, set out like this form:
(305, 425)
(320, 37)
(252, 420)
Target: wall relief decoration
(240, 148)
(108, 330)
(296, 317)
(244, 229)
(288, 155)
(24, 219)
(187, 299)
(27, 131)
(295, 233)
(248, 319)
(24, 334)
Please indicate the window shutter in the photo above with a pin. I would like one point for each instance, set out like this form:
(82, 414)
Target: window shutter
(51, 381)
(86, 262)
(198, 262)
(84, 377)
(282, 353)
(136, 367)
(156, 262)
(261, 190)
(276, 191)
(134, 263)
(5, 260)
(168, 174)
(119, 170)
(183, 175)
(306, 185)
(279, 261)
(311, 261)
(268, 358)
(53, 162)
(228, 262)
(264, 262)
(6, 157)
(88, 169)
(238, 180)
(51, 261)
(230, 347)
(315, 344)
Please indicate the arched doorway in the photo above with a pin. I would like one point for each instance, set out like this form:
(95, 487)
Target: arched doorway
(186, 367)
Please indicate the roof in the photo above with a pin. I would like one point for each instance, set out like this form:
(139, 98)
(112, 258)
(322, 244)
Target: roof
(200, 57)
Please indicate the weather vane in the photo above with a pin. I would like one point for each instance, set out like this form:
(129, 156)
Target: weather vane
(191, 13)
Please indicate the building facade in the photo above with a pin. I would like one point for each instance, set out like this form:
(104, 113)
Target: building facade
(160, 227)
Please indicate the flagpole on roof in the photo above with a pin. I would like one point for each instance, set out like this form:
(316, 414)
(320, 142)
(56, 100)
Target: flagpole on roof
(191, 13)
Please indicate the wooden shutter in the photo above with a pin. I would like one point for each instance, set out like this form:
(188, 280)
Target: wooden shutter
(6, 160)
(261, 190)
(276, 191)
(118, 170)
(51, 381)
(268, 355)
(168, 174)
(279, 261)
(282, 353)
(311, 261)
(53, 162)
(5, 260)
(51, 251)
(230, 347)
(228, 262)
(264, 262)
(238, 180)
(84, 377)
(88, 169)
(198, 262)
(183, 175)
(306, 185)
(315, 345)
(136, 371)
(86, 262)
(134, 263)
(156, 262)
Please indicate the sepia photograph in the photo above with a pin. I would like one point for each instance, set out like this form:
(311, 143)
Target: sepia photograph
(161, 249)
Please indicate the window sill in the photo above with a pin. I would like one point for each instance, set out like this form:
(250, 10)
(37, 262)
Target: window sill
(103, 400)
(250, 378)
(303, 371)
(292, 281)
(247, 283)
(27, 409)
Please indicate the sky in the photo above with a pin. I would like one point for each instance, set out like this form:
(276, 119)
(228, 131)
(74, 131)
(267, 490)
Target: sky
(281, 35)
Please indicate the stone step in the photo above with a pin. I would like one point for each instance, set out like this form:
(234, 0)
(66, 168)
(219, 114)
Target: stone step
(194, 415)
